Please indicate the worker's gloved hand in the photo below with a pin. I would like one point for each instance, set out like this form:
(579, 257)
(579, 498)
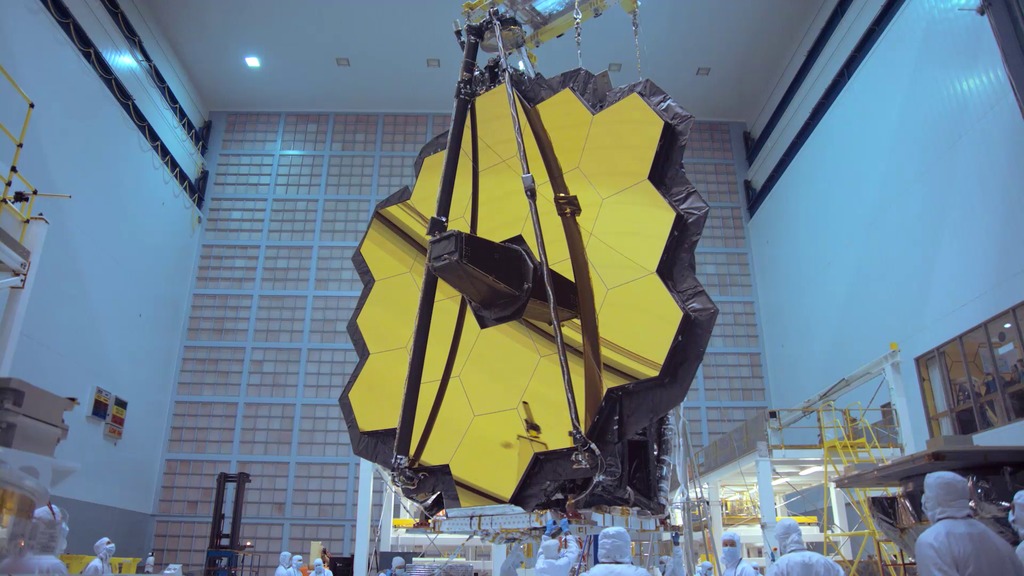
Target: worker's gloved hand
(550, 528)
(675, 538)
(564, 525)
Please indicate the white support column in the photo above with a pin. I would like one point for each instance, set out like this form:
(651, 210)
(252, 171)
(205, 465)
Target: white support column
(715, 497)
(898, 395)
(766, 501)
(364, 511)
(387, 524)
(498, 554)
(17, 301)
(838, 500)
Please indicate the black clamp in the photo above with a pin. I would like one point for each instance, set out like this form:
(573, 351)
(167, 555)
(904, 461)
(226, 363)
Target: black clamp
(568, 205)
(436, 226)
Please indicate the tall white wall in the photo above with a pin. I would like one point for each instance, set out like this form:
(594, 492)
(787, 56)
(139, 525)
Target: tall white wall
(901, 218)
(110, 297)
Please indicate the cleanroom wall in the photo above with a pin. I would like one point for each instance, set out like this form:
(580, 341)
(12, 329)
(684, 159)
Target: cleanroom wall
(110, 295)
(897, 220)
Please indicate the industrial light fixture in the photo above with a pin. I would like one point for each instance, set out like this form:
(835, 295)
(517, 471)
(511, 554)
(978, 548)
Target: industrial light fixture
(433, 62)
(811, 470)
(1007, 325)
(778, 481)
(342, 62)
(703, 71)
(252, 61)
(614, 66)
(126, 60)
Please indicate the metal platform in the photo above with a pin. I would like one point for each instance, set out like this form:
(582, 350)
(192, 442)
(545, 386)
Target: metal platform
(952, 459)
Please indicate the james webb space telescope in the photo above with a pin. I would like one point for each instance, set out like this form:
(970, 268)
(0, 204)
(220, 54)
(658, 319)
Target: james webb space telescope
(530, 312)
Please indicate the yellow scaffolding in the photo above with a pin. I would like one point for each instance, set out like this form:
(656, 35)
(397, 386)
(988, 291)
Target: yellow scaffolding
(848, 439)
(19, 203)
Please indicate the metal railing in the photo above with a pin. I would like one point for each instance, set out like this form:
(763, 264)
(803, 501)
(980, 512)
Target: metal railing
(796, 429)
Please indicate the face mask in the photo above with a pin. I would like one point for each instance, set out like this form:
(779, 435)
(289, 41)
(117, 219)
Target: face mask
(108, 551)
(730, 554)
(319, 569)
(398, 571)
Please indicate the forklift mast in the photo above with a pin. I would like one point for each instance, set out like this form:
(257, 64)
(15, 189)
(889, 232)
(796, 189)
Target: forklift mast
(222, 554)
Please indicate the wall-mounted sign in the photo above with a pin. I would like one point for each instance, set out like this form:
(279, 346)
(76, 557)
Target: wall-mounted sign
(119, 412)
(101, 401)
(113, 431)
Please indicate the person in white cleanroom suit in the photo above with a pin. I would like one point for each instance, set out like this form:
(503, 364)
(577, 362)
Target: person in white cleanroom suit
(796, 559)
(706, 569)
(285, 564)
(613, 555)
(319, 569)
(1017, 520)
(554, 562)
(673, 565)
(733, 563)
(45, 539)
(296, 569)
(956, 543)
(397, 567)
(150, 564)
(104, 549)
(514, 559)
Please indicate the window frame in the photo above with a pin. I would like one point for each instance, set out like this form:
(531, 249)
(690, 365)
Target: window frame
(933, 418)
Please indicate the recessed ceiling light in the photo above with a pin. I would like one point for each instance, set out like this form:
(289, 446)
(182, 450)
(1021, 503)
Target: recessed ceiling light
(703, 71)
(614, 66)
(1007, 325)
(342, 62)
(811, 470)
(433, 62)
(252, 61)
(778, 481)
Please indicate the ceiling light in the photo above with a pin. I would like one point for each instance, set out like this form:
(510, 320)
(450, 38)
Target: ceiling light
(778, 481)
(811, 470)
(126, 60)
(703, 71)
(1007, 325)
(342, 62)
(614, 66)
(433, 62)
(252, 61)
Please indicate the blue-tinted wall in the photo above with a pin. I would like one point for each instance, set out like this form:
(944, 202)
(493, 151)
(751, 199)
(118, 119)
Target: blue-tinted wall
(900, 220)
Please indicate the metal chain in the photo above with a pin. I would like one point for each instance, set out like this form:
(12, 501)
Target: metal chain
(578, 15)
(636, 37)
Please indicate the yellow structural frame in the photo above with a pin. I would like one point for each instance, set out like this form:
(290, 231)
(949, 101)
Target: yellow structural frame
(507, 377)
(24, 211)
(848, 439)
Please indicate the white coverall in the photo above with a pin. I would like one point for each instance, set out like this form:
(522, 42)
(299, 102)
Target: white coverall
(284, 568)
(397, 567)
(1017, 521)
(732, 561)
(104, 549)
(956, 543)
(796, 559)
(510, 567)
(673, 565)
(319, 569)
(613, 555)
(551, 561)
